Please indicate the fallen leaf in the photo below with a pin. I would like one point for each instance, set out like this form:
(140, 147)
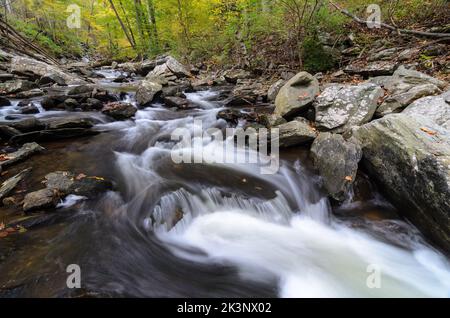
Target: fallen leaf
(4, 157)
(3, 234)
(428, 131)
(2, 226)
(349, 178)
(81, 176)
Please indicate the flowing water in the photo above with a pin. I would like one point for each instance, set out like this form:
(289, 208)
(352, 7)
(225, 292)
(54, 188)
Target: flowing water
(216, 230)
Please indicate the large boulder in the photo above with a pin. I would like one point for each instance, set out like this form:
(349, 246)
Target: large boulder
(406, 86)
(169, 71)
(119, 110)
(24, 64)
(410, 159)
(337, 161)
(16, 86)
(341, 107)
(296, 95)
(436, 108)
(147, 91)
(24, 152)
(296, 133)
(274, 89)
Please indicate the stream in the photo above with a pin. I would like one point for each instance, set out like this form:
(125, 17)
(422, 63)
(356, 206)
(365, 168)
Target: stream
(209, 230)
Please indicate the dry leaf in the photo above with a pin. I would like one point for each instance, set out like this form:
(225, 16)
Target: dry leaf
(428, 131)
(349, 178)
(2, 226)
(81, 176)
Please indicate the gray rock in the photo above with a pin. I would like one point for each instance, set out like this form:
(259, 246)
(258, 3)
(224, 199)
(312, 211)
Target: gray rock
(91, 187)
(341, 107)
(82, 89)
(119, 110)
(408, 54)
(94, 104)
(11, 183)
(233, 76)
(71, 104)
(435, 108)
(405, 87)
(147, 91)
(275, 89)
(30, 93)
(271, 120)
(296, 133)
(44, 199)
(337, 162)
(24, 64)
(61, 181)
(30, 109)
(26, 151)
(378, 68)
(410, 159)
(385, 54)
(296, 95)
(16, 86)
(52, 78)
(68, 122)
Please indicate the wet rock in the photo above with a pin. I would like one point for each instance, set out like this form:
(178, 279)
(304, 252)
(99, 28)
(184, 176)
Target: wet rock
(11, 183)
(68, 122)
(50, 79)
(435, 108)
(90, 187)
(71, 104)
(178, 102)
(26, 125)
(295, 133)
(147, 91)
(82, 89)
(36, 92)
(40, 69)
(405, 87)
(44, 199)
(8, 132)
(232, 76)
(337, 161)
(30, 109)
(274, 90)
(5, 77)
(53, 134)
(16, 86)
(93, 104)
(341, 107)
(296, 95)
(53, 102)
(410, 160)
(119, 110)
(170, 70)
(372, 69)
(4, 102)
(23, 153)
(233, 116)
(120, 79)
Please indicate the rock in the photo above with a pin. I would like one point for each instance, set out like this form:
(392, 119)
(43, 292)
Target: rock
(233, 116)
(16, 86)
(372, 69)
(296, 133)
(176, 67)
(26, 125)
(4, 102)
(435, 108)
(296, 95)
(405, 87)
(5, 77)
(40, 200)
(147, 91)
(170, 70)
(408, 54)
(410, 160)
(90, 187)
(68, 122)
(50, 79)
(337, 162)
(54, 134)
(53, 102)
(119, 110)
(30, 93)
(271, 120)
(275, 89)
(233, 76)
(178, 102)
(40, 69)
(120, 79)
(8, 132)
(382, 55)
(341, 107)
(81, 89)
(93, 104)
(30, 109)
(26, 151)
(61, 181)
(71, 104)
(11, 183)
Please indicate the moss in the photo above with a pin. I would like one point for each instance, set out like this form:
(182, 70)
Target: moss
(317, 57)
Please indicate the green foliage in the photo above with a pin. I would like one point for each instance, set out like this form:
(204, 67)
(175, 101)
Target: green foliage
(316, 57)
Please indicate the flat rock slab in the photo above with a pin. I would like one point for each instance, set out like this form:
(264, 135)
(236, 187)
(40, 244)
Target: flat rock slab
(26, 151)
(11, 183)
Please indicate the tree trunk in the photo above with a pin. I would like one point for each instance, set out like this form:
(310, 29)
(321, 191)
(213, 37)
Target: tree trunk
(124, 29)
